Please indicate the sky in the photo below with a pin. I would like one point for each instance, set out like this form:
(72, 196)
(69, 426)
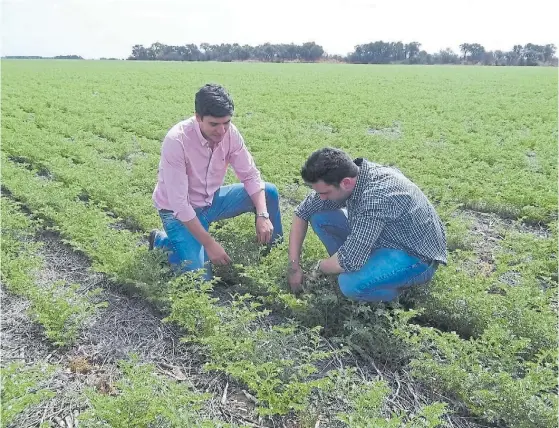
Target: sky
(109, 28)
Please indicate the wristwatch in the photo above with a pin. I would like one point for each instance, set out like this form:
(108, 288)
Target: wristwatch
(263, 214)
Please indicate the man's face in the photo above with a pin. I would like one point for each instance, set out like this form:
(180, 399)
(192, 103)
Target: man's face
(214, 128)
(328, 192)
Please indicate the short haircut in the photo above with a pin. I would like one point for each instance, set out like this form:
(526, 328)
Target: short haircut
(329, 165)
(213, 100)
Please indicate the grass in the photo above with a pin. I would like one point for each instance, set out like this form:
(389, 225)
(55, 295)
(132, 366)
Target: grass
(81, 147)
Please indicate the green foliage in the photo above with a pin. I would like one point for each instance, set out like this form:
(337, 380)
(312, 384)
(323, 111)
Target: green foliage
(490, 374)
(500, 123)
(56, 306)
(22, 387)
(468, 303)
(500, 127)
(62, 311)
(276, 362)
(191, 305)
(145, 399)
(367, 402)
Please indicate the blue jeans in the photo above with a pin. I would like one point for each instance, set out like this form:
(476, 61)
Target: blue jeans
(185, 252)
(386, 274)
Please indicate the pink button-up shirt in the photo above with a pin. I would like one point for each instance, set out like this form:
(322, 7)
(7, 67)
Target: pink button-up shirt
(190, 173)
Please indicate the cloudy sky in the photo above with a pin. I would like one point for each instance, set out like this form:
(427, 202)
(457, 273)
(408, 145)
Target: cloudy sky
(109, 28)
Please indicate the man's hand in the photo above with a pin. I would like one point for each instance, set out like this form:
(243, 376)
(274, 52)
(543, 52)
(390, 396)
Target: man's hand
(264, 230)
(217, 254)
(295, 277)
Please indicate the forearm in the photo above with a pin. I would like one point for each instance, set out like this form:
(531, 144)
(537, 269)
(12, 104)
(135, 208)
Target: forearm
(331, 265)
(196, 228)
(296, 237)
(259, 201)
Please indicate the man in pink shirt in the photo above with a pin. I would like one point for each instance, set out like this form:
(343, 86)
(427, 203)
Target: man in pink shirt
(190, 195)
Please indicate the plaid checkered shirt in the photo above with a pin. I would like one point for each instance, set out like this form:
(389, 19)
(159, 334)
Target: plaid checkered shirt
(385, 210)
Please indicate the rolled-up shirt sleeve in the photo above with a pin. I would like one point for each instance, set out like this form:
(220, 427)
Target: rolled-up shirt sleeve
(366, 228)
(243, 164)
(313, 204)
(175, 179)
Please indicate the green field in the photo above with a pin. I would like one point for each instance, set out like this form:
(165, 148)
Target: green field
(478, 347)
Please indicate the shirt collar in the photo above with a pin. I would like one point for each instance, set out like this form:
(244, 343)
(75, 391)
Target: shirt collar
(203, 141)
(361, 178)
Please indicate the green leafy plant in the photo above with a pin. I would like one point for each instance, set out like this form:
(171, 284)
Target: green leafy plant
(22, 387)
(145, 399)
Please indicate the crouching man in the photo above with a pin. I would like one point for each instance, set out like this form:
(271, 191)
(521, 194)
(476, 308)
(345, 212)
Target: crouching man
(381, 232)
(190, 194)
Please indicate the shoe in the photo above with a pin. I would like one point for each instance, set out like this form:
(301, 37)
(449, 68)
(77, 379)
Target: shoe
(151, 239)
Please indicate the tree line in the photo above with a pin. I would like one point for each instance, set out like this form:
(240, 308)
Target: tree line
(309, 52)
(378, 52)
(42, 57)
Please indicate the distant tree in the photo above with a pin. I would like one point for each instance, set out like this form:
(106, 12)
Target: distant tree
(23, 57)
(448, 56)
(155, 50)
(265, 52)
(423, 57)
(412, 49)
(488, 58)
(516, 55)
(292, 52)
(549, 52)
(473, 52)
(465, 48)
(530, 53)
(511, 58)
(310, 51)
(399, 51)
(477, 52)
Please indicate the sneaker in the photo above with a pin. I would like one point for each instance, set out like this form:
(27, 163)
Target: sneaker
(151, 239)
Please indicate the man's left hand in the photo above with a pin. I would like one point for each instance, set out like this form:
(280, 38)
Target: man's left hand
(264, 230)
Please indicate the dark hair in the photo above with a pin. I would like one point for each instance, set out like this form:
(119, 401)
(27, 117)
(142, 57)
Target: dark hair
(213, 100)
(329, 165)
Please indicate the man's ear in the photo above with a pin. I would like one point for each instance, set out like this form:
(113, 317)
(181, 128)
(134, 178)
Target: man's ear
(345, 183)
(199, 118)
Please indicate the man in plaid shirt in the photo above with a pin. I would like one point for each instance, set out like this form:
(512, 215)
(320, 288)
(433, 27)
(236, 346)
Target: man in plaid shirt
(382, 233)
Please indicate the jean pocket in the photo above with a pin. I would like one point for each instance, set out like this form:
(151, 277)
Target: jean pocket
(167, 218)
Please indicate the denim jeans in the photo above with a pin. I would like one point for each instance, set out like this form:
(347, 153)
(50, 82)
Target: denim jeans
(386, 274)
(185, 252)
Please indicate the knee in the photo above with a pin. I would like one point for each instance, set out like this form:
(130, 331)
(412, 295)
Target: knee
(356, 291)
(271, 191)
(348, 287)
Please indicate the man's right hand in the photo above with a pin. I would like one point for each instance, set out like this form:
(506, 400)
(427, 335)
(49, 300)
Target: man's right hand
(295, 277)
(217, 254)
